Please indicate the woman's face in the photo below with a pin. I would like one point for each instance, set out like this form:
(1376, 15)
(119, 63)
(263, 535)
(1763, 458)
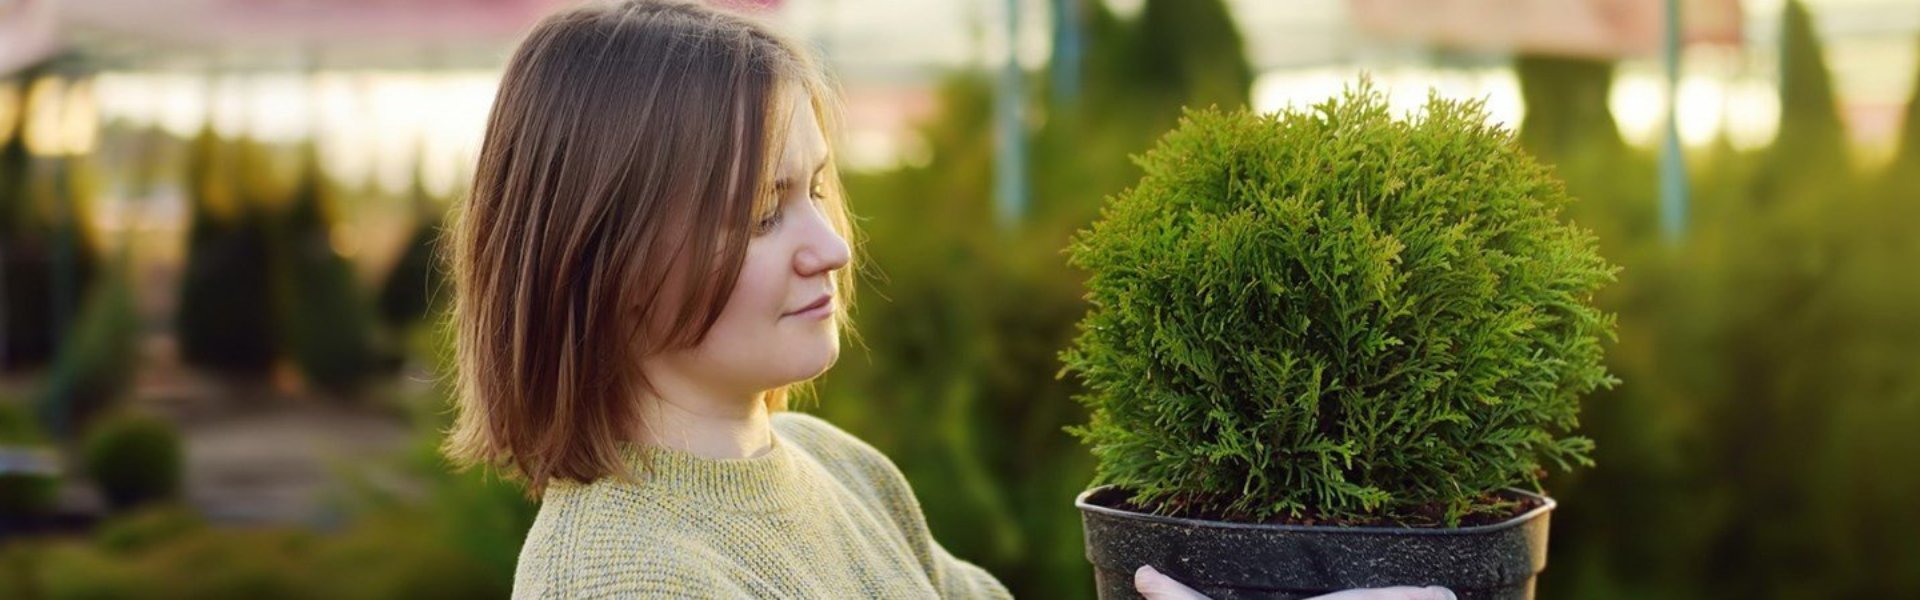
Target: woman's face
(762, 339)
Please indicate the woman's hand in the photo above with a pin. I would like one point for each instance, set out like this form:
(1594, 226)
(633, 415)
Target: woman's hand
(1157, 586)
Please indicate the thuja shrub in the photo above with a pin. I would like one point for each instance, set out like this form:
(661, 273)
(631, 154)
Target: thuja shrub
(135, 459)
(1336, 315)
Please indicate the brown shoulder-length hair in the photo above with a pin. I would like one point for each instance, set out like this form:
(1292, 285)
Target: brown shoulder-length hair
(630, 148)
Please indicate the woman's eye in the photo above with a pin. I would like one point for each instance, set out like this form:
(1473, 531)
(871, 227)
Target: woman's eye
(767, 223)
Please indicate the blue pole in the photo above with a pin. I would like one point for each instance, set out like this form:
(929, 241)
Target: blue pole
(1009, 172)
(1066, 51)
(1673, 167)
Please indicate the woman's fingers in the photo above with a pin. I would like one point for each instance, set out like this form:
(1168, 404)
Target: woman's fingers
(1157, 586)
(1393, 593)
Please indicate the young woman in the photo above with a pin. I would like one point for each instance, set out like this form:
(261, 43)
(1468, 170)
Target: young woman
(655, 252)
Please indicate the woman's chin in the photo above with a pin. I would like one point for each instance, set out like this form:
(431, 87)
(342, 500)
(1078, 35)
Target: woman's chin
(809, 353)
(824, 362)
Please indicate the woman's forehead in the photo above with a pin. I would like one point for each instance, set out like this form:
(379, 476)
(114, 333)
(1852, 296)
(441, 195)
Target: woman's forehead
(805, 146)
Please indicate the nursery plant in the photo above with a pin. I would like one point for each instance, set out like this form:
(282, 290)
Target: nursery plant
(1331, 348)
(135, 459)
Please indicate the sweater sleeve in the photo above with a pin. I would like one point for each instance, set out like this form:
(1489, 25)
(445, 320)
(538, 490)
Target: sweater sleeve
(952, 577)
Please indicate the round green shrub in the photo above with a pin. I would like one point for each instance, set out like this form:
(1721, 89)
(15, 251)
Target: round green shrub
(1334, 314)
(135, 459)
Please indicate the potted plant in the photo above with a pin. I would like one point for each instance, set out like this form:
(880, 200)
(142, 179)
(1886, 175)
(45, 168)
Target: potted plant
(1329, 349)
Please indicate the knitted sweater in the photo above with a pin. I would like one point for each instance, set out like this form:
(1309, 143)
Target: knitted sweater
(820, 515)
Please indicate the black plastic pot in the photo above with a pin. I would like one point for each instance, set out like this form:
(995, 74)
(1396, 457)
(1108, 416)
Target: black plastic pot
(1287, 562)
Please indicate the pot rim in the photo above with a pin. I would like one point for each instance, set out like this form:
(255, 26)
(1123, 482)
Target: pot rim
(1547, 504)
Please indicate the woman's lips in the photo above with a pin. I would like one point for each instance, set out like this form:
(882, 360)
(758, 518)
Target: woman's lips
(825, 300)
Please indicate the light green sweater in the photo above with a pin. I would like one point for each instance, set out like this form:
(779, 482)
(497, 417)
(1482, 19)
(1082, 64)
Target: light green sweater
(820, 515)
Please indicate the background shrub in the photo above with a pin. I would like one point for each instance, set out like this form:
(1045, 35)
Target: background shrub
(135, 459)
(327, 323)
(47, 239)
(225, 315)
(94, 367)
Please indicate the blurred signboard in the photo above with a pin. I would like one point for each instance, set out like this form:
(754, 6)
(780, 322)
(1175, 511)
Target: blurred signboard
(1593, 28)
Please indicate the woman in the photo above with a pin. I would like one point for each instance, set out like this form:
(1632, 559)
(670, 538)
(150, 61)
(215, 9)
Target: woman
(654, 254)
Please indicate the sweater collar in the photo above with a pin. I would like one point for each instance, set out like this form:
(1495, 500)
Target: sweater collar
(769, 482)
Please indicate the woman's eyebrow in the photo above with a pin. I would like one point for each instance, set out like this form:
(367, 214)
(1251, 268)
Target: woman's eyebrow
(786, 182)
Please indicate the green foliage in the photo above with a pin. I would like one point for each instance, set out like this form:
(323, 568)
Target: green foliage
(23, 257)
(326, 322)
(96, 363)
(416, 285)
(1810, 152)
(27, 496)
(226, 313)
(47, 254)
(458, 535)
(162, 551)
(1139, 75)
(263, 279)
(167, 552)
(23, 495)
(1567, 113)
(15, 163)
(147, 528)
(1187, 52)
(398, 556)
(74, 571)
(1765, 447)
(17, 425)
(135, 459)
(1337, 312)
(196, 563)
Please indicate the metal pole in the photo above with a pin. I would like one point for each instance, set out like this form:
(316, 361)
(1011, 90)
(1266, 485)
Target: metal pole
(1066, 52)
(1009, 172)
(1673, 167)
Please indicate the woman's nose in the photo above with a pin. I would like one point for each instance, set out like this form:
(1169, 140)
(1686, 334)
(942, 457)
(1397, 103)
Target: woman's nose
(824, 251)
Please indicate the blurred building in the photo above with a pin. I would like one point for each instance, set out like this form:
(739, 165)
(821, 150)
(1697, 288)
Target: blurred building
(387, 83)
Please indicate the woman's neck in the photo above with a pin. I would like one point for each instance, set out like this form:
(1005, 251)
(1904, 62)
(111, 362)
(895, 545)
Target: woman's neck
(708, 427)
